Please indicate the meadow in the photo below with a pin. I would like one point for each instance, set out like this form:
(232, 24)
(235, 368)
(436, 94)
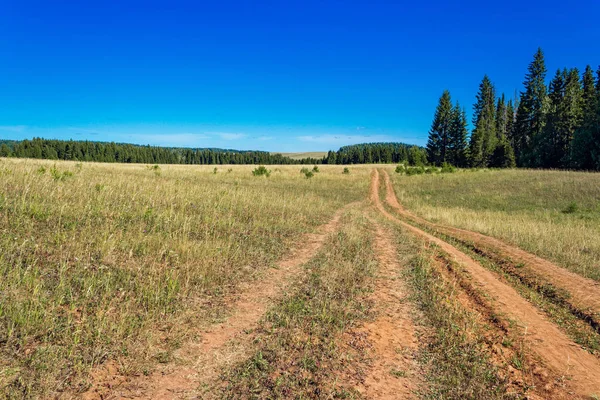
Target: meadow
(106, 261)
(554, 214)
(172, 281)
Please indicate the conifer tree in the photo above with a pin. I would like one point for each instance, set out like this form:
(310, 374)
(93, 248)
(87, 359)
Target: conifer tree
(437, 144)
(510, 122)
(457, 140)
(5, 151)
(583, 145)
(503, 155)
(531, 113)
(483, 139)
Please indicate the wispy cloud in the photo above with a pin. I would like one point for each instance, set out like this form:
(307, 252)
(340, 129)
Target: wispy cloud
(231, 136)
(13, 128)
(343, 139)
(185, 139)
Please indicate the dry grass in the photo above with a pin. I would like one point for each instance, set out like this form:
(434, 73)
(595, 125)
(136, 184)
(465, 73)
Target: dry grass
(554, 214)
(101, 261)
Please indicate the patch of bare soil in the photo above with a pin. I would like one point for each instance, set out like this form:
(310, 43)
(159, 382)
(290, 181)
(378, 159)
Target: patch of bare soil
(393, 372)
(198, 365)
(579, 369)
(584, 293)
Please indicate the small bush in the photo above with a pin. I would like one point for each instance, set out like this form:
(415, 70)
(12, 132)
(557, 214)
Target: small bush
(309, 174)
(261, 170)
(571, 208)
(60, 176)
(346, 171)
(41, 170)
(304, 170)
(315, 169)
(447, 168)
(415, 170)
(429, 170)
(215, 170)
(400, 169)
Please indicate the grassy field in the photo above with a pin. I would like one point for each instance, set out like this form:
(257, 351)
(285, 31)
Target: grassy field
(133, 281)
(553, 214)
(106, 261)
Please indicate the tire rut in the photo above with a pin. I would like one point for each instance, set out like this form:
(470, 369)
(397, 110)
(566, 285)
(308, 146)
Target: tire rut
(558, 352)
(221, 344)
(393, 373)
(584, 292)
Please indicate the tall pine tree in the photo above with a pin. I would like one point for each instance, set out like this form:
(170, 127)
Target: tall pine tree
(583, 140)
(503, 155)
(483, 138)
(457, 138)
(437, 144)
(531, 114)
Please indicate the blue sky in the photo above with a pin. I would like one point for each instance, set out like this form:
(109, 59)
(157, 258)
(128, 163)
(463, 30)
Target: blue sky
(277, 75)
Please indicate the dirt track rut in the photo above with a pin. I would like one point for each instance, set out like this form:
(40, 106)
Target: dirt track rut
(558, 352)
(585, 293)
(222, 343)
(393, 373)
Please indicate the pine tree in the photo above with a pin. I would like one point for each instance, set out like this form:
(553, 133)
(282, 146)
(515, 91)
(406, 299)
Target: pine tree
(437, 144)
(503, 155)
(510, 123)
(582, 145)
(531, 113)
(483, 139)
(457, 138)
(548, 143)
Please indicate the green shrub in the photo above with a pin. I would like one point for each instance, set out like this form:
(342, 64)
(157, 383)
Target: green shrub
(304, 170)
(261, 170)
(315, 169)
(309, 174)
(215, 170)
(571, 208)
(400, 169)
(447, 168)
(346, 171)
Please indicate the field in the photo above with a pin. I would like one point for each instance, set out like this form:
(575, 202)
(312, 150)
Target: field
(142, 281)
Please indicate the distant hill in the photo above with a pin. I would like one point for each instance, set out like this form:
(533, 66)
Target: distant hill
(300, 156)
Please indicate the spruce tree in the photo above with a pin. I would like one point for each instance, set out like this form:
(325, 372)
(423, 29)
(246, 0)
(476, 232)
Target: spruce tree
(457, 140)
(531, 113)
(437, 144)
(548, 143)
(483, 139)
(510, 122)
(503, 155)
(582, 145)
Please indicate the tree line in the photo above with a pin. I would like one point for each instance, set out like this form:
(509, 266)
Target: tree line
(385, 153)
(130, 153)
(554, 126)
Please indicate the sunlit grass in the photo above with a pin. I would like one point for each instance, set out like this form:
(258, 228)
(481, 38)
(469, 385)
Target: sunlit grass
(554, 214)
(105, 261)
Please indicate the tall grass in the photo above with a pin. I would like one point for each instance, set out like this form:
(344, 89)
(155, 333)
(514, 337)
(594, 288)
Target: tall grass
(120, 261)
(555, 214)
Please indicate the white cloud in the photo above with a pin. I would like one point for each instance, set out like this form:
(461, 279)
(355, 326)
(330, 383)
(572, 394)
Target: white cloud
(231, 136)
(344, 139)
(13, 128)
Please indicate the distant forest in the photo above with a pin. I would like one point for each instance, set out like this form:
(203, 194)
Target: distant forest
(129, 153)
(555, 126)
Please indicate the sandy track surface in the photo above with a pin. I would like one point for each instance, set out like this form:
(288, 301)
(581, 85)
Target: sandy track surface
(559, 353)
(394, 371)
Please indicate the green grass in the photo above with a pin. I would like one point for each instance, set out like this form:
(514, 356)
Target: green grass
(554, 214)
(106, 261)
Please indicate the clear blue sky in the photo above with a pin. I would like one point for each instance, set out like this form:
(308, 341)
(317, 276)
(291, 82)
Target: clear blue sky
(277, 76)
